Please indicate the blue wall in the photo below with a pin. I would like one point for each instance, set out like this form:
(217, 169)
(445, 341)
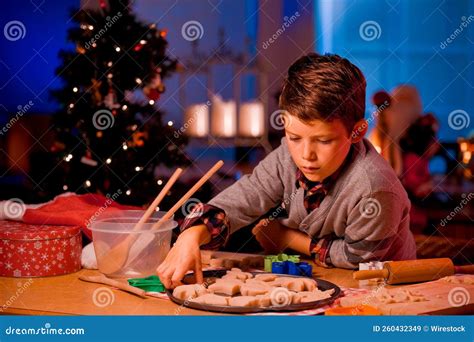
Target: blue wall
(27, 65)
(408, 49)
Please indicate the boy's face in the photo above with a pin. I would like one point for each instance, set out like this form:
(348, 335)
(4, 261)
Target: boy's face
(318, 148)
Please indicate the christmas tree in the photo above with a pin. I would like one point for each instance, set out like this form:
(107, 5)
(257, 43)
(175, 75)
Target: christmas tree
(110, 136)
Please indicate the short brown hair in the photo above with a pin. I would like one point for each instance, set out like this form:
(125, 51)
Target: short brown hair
(324, 87)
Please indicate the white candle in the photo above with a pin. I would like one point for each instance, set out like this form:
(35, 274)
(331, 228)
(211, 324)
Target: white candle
(223, 118)
(251, 119)
(196, 120)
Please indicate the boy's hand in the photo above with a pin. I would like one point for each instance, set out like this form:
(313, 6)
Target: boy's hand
(272, 236)
(185, 255)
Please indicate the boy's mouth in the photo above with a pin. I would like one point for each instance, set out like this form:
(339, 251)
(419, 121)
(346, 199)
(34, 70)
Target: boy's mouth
(310, 170)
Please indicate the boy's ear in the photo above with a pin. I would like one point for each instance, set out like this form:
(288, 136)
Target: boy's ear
(359, 130)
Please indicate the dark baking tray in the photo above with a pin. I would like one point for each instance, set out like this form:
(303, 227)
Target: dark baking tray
(323, 285)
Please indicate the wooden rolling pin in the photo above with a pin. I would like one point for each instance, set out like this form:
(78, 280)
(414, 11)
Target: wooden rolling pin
(414, 271)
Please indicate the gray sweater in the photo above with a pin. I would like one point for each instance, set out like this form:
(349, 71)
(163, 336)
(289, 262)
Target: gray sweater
(366, 210)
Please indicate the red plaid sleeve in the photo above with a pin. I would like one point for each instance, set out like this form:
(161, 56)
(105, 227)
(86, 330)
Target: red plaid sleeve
(216, 221)
(319, 251)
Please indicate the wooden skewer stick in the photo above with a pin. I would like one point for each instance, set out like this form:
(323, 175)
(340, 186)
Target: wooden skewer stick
(159, 198)
(102, 279)
(146, 238)
(188, 195)
(113, 259)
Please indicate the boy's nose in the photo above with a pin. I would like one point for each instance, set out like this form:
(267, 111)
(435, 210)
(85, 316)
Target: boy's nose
(308, 152)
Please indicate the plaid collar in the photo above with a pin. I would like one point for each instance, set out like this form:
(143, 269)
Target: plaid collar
(323, 187)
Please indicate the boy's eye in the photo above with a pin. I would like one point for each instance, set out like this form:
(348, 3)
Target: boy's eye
(325, 142)
(294, 139)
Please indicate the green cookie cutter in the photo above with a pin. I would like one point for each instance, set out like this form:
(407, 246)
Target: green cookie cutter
(149, 284)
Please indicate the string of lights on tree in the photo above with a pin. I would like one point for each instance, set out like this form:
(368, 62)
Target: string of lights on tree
(110, 134)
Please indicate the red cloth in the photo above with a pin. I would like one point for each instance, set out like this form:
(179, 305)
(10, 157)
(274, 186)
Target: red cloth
(74, 210)
(416, 172)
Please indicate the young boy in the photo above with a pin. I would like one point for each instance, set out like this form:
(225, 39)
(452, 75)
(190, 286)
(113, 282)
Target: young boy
(344, 203)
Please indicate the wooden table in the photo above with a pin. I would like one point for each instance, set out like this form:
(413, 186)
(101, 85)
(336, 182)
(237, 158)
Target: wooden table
(67, 295)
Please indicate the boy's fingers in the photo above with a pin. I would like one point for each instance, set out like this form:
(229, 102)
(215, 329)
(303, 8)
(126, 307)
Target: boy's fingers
(178, 276)
(198, 269)
(258, 227)
(198, 274)
(160, 269)
(165, 278)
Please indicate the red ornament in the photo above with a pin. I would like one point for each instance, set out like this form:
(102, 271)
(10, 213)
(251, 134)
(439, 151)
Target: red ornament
(152, 94)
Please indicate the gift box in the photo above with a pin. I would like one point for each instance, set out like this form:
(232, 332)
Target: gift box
(28, 250)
